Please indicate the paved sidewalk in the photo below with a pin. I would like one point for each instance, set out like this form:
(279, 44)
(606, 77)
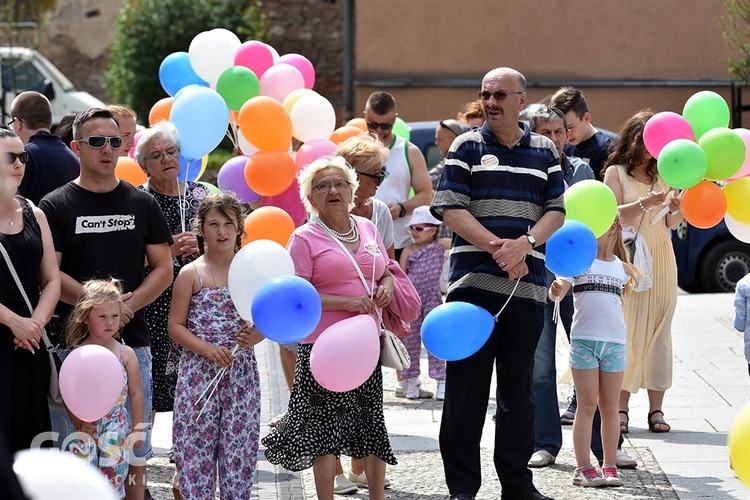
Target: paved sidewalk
(710, 386)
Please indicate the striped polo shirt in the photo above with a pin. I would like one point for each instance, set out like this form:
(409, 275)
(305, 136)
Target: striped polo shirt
(507, 190)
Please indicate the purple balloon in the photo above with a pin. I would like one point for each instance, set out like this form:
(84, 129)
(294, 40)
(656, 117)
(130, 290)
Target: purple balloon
(232, 178)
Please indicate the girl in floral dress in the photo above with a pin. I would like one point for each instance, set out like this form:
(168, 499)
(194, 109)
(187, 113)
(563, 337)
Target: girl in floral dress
(96, 320)
(218, 430)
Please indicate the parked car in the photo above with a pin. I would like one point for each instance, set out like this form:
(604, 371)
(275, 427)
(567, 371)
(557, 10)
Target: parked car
(708, 260)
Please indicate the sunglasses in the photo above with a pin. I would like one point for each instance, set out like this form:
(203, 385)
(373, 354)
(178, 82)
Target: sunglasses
(379, 177)
(499, 95)
(384, 126)
(419, 229)
(23, 157)
(98, 141)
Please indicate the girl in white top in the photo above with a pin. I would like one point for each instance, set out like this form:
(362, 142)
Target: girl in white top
(597, 351)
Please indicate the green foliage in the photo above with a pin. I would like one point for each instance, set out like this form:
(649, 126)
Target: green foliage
(150, 30)
(736, 30)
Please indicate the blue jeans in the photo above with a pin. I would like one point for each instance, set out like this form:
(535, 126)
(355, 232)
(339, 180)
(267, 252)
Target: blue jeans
(547, 430)
(140, 455)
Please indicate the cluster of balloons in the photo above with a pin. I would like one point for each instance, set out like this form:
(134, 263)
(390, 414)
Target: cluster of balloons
(697, 149)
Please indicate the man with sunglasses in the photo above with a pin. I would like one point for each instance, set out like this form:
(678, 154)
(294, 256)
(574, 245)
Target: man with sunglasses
(51, 163)
(406, 168)
(104, 228)
(501, 193)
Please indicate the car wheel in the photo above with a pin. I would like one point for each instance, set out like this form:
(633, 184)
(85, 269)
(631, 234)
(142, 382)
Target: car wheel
(724, 265)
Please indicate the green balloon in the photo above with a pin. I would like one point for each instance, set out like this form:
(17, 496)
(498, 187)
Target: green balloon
(237, 85)
(725, 152)
(704, 111)
(210, 187)
(682, 163)
(401, 129)
(593, 203)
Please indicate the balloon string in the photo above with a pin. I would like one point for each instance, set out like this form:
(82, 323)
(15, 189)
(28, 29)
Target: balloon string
(518, 280)
(181, 197)
(215, 384)
(556, 310)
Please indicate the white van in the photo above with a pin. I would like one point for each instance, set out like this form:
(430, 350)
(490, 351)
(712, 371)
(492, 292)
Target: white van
(26, 69)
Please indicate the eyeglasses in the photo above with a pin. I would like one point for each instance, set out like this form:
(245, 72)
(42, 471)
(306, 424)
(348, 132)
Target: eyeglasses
(499, 95)
(10, 123)
(98, 141)
(324, 187)
(447, 127)
(379, 177)
(169, 154)
(419, 229)
(23, 157)
(384, 126)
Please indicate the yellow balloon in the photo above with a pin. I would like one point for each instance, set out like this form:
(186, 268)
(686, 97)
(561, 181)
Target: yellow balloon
(737, 193)
(739, 445)
(293, 96)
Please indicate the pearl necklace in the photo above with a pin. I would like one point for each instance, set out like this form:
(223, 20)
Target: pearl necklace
(351, 236)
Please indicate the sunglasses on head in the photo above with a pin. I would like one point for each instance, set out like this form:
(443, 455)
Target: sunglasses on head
(23, 157)
(384, 126)
(379, 177)
(447, 127)
(419, 229)
(98, 141)
(499, 95)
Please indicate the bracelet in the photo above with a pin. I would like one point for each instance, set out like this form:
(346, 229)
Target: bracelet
(674, 213)
(640, 204)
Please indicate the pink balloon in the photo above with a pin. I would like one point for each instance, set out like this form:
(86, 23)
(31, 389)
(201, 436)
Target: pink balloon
(280, 80)
(290, 202)
(312, 150)
(136, 138)
(254, 55)
(665, 127)
(744, 170)
(304, 66)
(346, 353)
(91, 381)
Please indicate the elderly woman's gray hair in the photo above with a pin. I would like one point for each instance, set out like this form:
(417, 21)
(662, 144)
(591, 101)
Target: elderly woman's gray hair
(307, 176)
(161, 129)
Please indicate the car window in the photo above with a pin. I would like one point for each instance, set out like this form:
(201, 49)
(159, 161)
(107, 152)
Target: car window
(20, 75)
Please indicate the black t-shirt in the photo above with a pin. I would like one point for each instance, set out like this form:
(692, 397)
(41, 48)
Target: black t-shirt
(103, 235)
(595, 150)
(51, 164)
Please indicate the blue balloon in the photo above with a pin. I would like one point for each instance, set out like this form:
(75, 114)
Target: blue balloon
(201, 117)
(456, 330)
(232, 178)
(571, 249)
(175, 72)
(189, 170)
(286, 309)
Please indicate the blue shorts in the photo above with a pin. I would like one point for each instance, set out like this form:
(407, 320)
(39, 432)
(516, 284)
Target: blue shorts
(590, 354)
(144, 362)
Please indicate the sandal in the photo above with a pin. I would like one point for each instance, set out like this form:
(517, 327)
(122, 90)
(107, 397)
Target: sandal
(659, 421)
(624, 429)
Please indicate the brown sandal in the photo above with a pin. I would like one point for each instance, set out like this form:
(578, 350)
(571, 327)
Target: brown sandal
(624, 429)
(659, 421)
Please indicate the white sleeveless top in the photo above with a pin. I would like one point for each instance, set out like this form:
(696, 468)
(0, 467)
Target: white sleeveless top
(396, 188)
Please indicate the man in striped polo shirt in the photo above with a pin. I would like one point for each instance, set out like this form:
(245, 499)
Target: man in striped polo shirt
(501, 192)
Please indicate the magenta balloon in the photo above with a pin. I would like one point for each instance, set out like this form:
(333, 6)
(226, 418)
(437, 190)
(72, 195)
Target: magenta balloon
(346, 353)
(232, 178)
(304, 66)
(744, 170)
(663, 128)
(312, 150)
(91, 381)
(254, 55)
(280, 80)
(290, 202)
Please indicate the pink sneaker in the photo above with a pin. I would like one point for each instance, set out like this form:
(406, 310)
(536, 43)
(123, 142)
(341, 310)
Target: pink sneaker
(588, 476)
(610, 475)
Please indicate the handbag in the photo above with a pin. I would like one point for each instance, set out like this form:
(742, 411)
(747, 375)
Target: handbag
(54, 397)
(640, 256)
(393, 353)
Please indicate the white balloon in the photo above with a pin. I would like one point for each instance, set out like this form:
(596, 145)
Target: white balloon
(256, 263)
(738, 229)
(230, 37)
(53, 474)
(244, 145)
(313, 117)
(210, 54)
(274, 53)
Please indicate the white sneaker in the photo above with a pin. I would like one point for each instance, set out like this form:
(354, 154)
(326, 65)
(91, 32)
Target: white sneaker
(401, 388)
(414, 390)
(360, 480)
(541, 458)
(623, 461)
(343, 486)
(440, 394)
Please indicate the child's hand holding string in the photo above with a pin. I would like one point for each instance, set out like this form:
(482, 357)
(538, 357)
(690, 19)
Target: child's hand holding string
(219, 355)
(248, 336)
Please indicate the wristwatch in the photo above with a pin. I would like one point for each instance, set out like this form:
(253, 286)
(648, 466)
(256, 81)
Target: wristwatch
(403, 210)
(531, 240)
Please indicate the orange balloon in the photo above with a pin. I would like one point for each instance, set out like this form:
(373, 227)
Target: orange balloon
(360, 123)
(160, 111)
(268, 223)
(269, 172)
(343, 133)
(129, 171)
(704, 205)
(265, 123)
